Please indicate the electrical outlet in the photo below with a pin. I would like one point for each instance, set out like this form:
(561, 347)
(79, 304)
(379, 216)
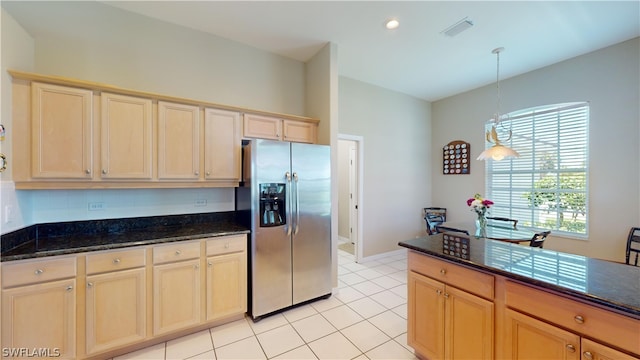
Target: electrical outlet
(201, 202)
(96, 206)
(8, 214)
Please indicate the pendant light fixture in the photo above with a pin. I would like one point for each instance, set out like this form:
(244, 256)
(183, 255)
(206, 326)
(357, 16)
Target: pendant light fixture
(498, 151)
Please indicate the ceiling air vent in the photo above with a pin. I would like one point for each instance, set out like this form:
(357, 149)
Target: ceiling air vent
(458, 27)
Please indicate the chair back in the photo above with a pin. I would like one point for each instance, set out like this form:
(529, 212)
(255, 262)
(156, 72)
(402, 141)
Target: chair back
(434, 216)
(442, 229)
(513, 222)
(633, 246)
(538, 239)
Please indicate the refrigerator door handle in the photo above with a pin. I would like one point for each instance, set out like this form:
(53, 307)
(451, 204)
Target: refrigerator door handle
(297, 200)
(288, 212)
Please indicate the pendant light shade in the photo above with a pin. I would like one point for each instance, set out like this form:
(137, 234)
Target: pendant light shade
(498, 151)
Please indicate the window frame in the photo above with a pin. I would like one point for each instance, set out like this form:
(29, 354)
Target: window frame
(499, 176)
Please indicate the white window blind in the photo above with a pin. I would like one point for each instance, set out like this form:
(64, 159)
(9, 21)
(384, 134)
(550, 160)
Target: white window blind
(546, 187)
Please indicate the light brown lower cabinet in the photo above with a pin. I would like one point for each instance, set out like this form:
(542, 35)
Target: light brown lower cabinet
(446, 322)
(131, 297)
(39, 317)
(115, 309)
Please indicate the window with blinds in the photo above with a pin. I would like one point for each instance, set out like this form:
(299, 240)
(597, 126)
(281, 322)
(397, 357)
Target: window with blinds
(546, 187)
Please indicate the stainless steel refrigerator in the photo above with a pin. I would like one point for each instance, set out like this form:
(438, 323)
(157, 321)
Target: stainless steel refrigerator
(287, 188)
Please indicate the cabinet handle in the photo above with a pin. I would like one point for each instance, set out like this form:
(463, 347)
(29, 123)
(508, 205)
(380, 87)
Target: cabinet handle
(178, 252)
(87, 171)
(196, 267)
(571, 348)
(446, 295)
(208, 173)
(116, 260)
(588, 355)
(38, 271)
(90, 285)
(443, 271)
(196, 173)
(579, 319)
(69, 288)
(210, 264)
(439, 292)
(104, 171)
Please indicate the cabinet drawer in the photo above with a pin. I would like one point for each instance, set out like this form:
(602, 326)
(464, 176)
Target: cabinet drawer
(35, 271)
(609, 327)
(115, 260)
(469, 280)
(226, 245)
(176, 251)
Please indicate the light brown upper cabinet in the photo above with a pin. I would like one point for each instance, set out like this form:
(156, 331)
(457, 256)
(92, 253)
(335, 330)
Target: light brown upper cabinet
(178, 141)
(61, 132)
(266, 127)
(126, 137)
(222, 145)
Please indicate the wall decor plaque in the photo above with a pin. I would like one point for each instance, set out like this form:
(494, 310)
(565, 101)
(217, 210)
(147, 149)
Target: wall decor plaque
(456, 158)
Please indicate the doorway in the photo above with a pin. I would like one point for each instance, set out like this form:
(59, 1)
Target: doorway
(350, 152)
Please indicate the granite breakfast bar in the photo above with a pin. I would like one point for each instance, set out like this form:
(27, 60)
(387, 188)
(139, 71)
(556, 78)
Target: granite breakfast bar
(476, 298)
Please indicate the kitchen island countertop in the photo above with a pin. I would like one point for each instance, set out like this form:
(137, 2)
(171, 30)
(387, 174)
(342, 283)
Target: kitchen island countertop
(604, 283)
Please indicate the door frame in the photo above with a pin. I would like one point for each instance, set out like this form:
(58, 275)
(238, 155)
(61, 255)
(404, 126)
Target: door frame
(359, 140)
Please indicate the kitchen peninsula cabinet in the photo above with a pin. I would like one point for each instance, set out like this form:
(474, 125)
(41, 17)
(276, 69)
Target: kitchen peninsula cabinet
(39, 306)
(178, 141)
(546, 304)
(445, 319)
(126, 137)
(176, 286)
(266, 127)
(115, 299)
(61, 132)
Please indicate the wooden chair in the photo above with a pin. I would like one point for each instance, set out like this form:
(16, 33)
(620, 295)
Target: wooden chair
(434, 216)
(441, 229)
(539, 238)
(513, 221)
(633, 246)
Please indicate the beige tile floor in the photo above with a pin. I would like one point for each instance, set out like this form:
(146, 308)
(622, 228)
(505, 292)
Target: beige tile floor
(364, 319)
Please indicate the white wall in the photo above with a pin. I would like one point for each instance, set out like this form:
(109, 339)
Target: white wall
(397, 173)
(95, 42)
(17, 53)
(610, 80)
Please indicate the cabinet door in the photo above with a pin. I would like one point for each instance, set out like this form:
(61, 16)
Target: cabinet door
(41, 316)
(469, 326)
(116, 311)
(126, 134)
(529, 338)
(426, 316)
(62, 120)
(592, 350)
(263, 127)
(176, 296)
(222, 145)
(299, 131)
(226, 285)
(178, 141)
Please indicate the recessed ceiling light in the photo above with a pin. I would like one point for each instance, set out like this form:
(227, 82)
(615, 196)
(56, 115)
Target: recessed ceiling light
(392, 24)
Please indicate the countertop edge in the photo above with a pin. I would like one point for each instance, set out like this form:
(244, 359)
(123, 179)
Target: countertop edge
(83, 249)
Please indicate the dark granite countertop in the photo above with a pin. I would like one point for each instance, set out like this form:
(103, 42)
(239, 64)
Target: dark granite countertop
(605, 283)
(81, 236)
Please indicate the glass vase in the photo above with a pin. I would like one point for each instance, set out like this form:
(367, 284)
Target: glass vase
(481, 225)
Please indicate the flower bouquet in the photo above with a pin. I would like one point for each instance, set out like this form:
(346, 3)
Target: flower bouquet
(480, 206)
